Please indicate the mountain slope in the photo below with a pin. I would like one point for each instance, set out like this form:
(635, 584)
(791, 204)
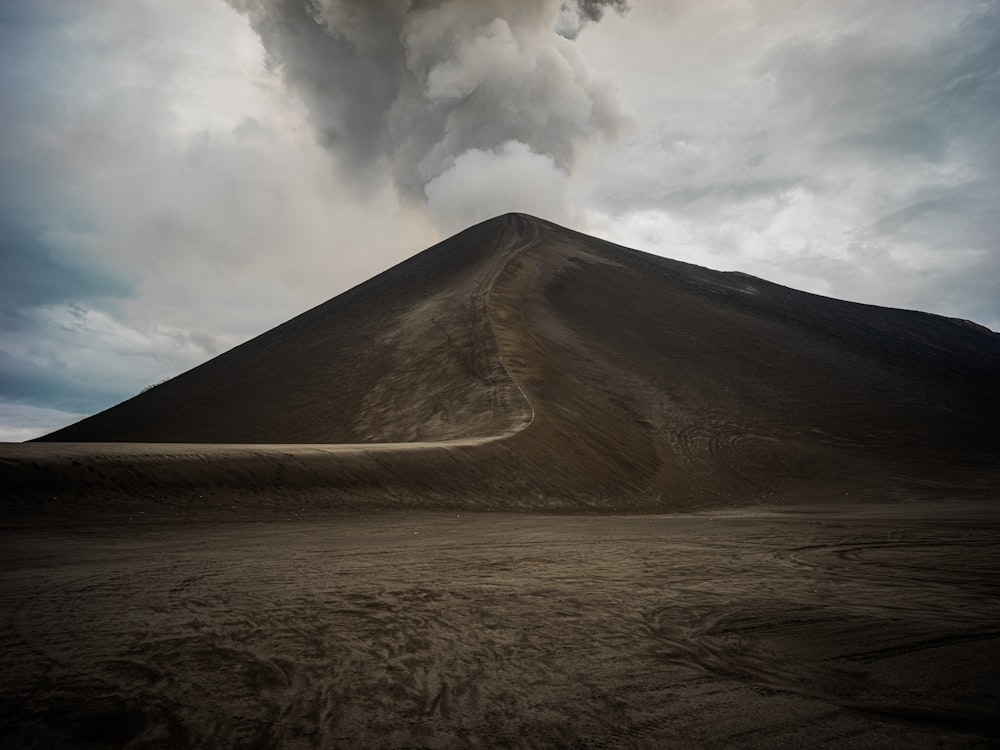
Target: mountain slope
(409, 355)
(537, 366)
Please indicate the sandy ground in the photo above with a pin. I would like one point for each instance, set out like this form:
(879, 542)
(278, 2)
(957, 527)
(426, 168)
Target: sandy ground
(861, 628)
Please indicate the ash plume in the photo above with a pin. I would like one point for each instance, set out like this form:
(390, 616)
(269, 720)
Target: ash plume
(573, 16)
(421, 91)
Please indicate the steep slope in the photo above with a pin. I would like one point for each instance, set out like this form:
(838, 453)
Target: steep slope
(526, 365)
(716, 385)
(409, 355)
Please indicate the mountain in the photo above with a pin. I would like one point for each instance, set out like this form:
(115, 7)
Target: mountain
(528, 365)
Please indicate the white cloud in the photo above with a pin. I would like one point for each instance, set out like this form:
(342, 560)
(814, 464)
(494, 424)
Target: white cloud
(20, 422)
(482, 184)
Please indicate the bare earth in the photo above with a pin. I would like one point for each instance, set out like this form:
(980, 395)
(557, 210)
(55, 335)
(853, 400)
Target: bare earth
(865, 627)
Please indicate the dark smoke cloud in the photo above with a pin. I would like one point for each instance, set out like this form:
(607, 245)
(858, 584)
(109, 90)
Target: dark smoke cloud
(573, 16)
(594, 9)
(419, 91)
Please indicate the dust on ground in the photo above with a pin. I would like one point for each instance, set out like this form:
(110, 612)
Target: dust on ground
(873, 627)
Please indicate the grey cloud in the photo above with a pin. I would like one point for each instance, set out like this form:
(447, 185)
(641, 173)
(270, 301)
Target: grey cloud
(886, 98)
(36, 273)
(42, 380)
(828, 88)
(347, 83)
(575, 15)
(847, 148)
(593, 10)
(405, 90)
(483, 184)
(20, 421)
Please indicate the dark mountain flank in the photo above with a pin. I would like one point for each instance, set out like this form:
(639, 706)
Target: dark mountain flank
(521, 364)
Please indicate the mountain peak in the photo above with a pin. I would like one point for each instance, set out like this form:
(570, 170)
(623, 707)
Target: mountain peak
(523, 357)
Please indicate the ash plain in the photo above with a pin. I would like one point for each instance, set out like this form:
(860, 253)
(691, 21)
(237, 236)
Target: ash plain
(852, 626)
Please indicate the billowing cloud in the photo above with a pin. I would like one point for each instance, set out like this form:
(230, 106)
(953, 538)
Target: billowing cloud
(573, 16)
(411, 90)
(482, 184)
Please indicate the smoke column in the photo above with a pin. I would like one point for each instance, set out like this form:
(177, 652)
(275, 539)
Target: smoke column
(473, 107)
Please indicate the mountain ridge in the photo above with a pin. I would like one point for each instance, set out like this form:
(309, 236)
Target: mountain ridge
(535, 366)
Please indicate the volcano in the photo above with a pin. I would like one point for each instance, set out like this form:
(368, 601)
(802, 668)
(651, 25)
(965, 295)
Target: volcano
(522, 364)
(748, 517)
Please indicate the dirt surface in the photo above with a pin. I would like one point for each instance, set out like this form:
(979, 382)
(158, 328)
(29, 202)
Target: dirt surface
(874, 627)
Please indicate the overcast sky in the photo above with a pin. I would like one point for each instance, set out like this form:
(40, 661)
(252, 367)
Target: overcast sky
(177, 177)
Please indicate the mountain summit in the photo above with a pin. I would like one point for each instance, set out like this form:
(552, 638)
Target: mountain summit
(523, 360)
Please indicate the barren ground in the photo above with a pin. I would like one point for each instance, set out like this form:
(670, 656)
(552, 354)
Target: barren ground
(875, 627)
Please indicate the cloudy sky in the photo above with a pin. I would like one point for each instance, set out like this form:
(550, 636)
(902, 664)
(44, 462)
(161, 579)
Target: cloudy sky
(176, 177)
